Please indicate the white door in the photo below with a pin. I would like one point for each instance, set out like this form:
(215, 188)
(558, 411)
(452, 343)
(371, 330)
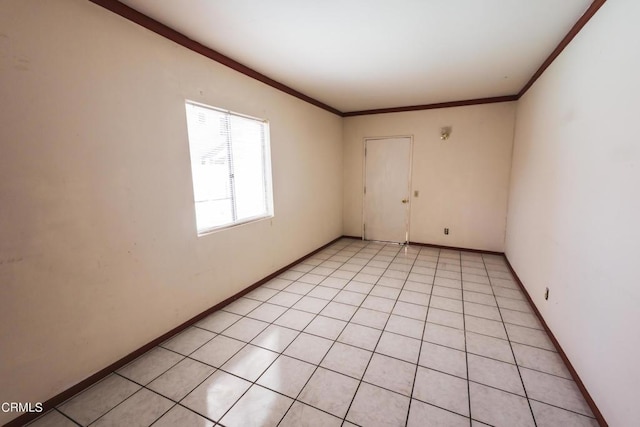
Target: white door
(387, 189)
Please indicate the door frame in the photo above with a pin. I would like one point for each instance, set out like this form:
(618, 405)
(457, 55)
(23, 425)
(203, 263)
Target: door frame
(364, 179)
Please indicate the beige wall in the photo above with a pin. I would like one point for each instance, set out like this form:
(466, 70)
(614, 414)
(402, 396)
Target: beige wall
(462, 183)
(98, 247)
(574, 205)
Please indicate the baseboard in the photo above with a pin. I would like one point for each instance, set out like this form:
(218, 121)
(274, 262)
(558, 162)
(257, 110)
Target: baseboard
(572, 371)
(455, 248)
(73, 390)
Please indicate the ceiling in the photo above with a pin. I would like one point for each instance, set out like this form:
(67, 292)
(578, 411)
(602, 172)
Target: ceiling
(358, 55)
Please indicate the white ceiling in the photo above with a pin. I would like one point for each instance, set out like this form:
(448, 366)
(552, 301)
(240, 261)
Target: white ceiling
(367, 54)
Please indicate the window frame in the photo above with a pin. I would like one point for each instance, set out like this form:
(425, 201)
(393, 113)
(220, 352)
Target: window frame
(268, 174)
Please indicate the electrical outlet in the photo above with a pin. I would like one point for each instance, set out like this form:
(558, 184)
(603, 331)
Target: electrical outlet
(546, 294)
(446, 231)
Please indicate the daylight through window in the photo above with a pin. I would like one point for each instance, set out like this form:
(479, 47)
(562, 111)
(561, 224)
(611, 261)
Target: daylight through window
(231, 167)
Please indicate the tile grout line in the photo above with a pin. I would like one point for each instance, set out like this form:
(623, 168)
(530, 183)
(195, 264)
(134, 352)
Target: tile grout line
(466, 353)
(332, 344)
(424, 329)
(373, 352)
(524, 388)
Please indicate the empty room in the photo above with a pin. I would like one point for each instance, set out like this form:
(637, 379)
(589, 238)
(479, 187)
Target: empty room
(304, 213)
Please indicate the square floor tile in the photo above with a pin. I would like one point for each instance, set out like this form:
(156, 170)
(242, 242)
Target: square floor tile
(241, 306)
(285, 299)
(494, 348)
(277, 284)
(372, 318)
(414, 297)
(344, 274)
(554, 391)
(322, 271)
(377, 303)
(141, 409)
(442, 291)
(445, 318)
(245, 329)
(444, 335)
(309, 348)
(188, 341)
(405, 326)
(390, 373)
(275, 338)
(287, 376)
(481, 310)
(261, 294)
(90, 404)
(334, 282)
(374, 406)
(52, 418)
(385, 292)
(250, 362)
(485, 327)
(306, 416)
(339, 311)
(480, 298)
(294, 319)
(323, 292)
(528, 336)
(216, 395)
(311, 305)
(421, 278)
(539, 359)
(504, 376)
(360, 336)
(150, 365)
(508, 293)
(312, 279)
(447, 282)
(218, 321)
(422, 288)
(348, 297)
(181, 416)
(424, 415)
(347, 360)
(299, 288)
(398, 346)
(448, 304)
(550, 416)
(267, 312)
(359, 287)
(477, 287)
(258, 407)
(414, 311)
(291, 275)
(443, 390)
(443, 359)
(391, 282)
(475, 278)
(217, 351)
(329, 391)
(499, 408)
(325, 327)
(180, 380)
(519, 318)
(514, 304)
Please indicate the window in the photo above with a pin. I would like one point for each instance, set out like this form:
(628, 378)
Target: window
(230, 165)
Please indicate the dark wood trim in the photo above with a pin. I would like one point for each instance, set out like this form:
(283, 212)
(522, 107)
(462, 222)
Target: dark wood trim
(565, 359)
(455, 248)
(179, 38)
(478, 101)
(73, 390)
(352, 237)
(565, 41)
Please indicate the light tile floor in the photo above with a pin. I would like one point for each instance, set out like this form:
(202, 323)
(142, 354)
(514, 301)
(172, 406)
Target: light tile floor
(361, 333)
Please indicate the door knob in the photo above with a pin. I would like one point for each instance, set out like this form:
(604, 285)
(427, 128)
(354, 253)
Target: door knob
(405, 200)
